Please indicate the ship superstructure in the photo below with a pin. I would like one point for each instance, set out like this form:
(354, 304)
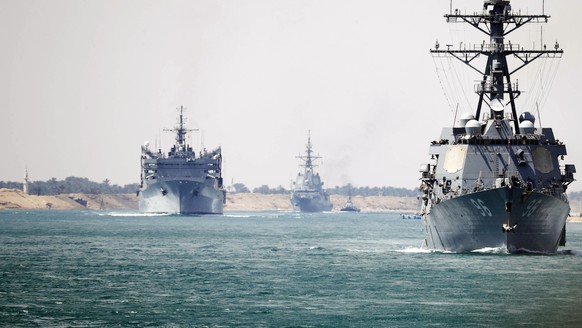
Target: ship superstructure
(181, 181)
(494, 179)
(307, 194)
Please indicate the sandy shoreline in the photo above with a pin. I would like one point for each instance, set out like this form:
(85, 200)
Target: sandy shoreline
(17, 200)
(257, 202)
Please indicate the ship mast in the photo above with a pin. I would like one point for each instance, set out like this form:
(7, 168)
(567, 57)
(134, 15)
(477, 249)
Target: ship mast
(180, 130)
(497, 20)
(309, 158)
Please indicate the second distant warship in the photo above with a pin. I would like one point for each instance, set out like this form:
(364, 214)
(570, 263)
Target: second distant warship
(308, 194)
(181, 182)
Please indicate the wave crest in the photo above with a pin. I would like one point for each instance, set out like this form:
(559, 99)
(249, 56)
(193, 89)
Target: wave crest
(492, 250)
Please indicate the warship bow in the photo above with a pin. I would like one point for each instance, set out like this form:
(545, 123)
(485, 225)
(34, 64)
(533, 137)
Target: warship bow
(494, 179)
(181, 181)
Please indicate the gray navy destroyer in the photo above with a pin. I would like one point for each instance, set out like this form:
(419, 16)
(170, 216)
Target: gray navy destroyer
(180, 181)
(495, 180)
(308, 194)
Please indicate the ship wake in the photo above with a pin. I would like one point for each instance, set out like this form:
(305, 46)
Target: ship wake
(133, 214)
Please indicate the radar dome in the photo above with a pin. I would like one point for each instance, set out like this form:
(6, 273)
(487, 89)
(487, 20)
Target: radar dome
(497, 106)
(527, 116)
(527, 127)
(473, 128)
(466, 117)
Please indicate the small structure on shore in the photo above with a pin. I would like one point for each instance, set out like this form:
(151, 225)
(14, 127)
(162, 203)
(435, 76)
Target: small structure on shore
(26, 183)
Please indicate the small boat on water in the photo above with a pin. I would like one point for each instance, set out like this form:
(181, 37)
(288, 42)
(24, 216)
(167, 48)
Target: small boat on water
(349, 207)
(411, 217)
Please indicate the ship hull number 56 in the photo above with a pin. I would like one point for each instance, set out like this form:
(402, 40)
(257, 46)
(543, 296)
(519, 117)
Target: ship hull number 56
(480, 205)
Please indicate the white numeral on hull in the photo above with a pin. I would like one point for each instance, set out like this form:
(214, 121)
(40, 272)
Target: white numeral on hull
(532, 207)
(480, 205)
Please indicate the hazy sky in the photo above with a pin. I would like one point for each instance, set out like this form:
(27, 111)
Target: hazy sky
(84, 83)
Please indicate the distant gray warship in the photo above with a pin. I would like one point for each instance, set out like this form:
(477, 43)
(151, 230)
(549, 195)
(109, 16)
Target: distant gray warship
(307, 194)
(181, 182)
(495, 180)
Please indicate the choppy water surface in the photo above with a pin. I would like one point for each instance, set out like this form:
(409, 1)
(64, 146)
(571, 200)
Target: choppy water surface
(269, 269)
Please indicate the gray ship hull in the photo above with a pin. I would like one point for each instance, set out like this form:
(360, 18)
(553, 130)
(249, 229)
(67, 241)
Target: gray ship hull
(474, 221)
(181, 197)
(306, 201)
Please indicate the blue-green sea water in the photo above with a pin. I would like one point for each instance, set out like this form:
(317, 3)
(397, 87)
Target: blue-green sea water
(269, 269)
